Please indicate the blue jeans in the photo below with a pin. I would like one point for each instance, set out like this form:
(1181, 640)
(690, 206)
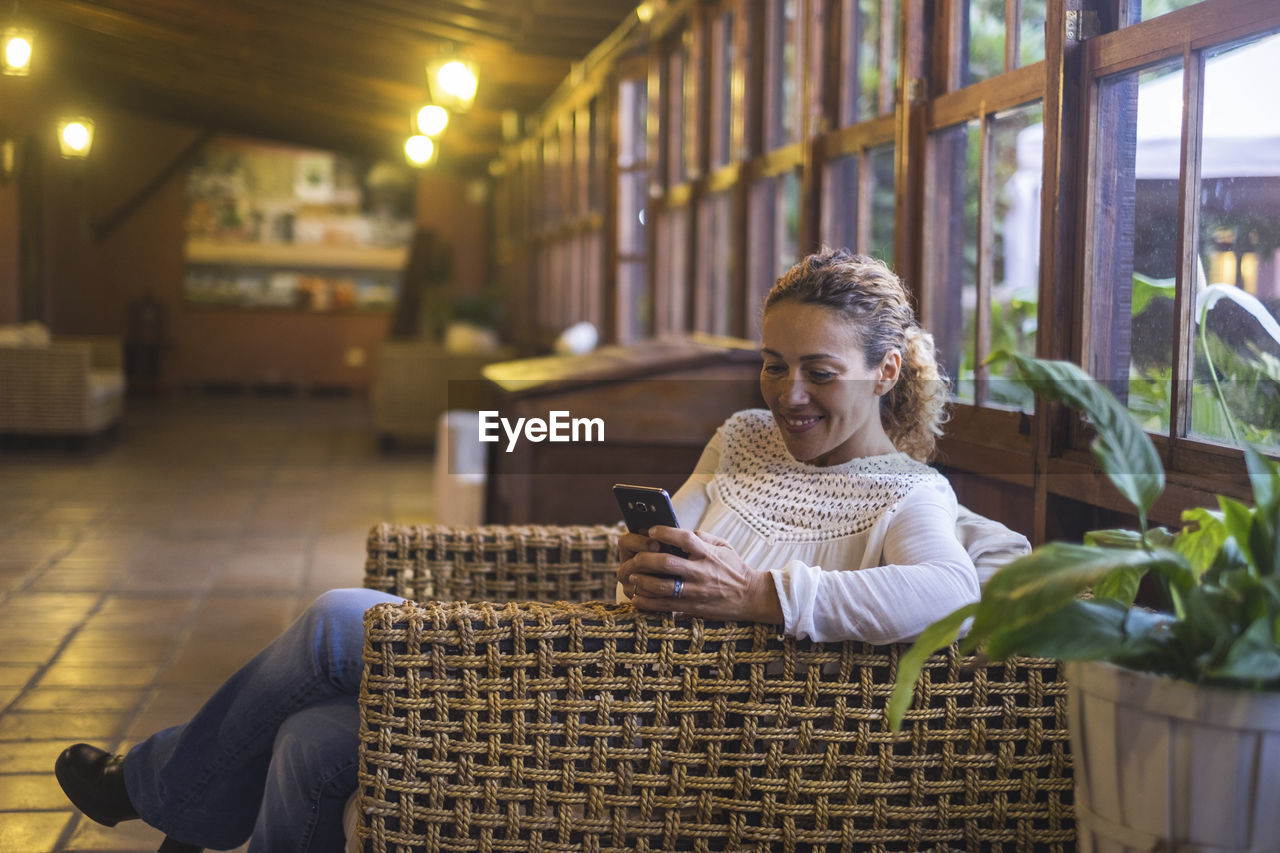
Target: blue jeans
(272, 754)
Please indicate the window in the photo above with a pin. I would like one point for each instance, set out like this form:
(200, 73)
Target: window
(1186, 287)
(1001, 35)
(858, 202)
(723, 63)
(782, 104)
(775, 238)
(671, 263)
(635, 304)
(869, 59)
(715, 267)
(674, 126)
(984, 263)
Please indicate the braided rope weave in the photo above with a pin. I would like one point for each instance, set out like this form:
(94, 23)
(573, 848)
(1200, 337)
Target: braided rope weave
(591, 727)
(493, 562)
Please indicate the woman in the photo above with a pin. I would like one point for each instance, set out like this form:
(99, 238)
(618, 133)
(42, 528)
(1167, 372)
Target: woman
(828, 478)
(824, 480)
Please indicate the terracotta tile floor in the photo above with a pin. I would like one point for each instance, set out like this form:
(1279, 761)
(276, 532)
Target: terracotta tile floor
(138, 573)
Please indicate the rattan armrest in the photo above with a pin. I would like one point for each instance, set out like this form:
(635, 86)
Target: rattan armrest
(587, 726)
(493, 562)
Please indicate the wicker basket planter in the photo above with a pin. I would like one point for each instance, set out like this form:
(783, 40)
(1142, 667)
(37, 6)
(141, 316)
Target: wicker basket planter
(1168, 765)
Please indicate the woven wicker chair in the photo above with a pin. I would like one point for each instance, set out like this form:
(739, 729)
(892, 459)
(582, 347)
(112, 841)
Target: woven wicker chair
(590, 726)
(74, 386)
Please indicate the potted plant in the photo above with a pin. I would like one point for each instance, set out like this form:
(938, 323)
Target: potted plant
(1174, 712)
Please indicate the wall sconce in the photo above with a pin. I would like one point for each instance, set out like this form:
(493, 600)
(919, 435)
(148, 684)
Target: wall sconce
(419, 150)
(452, 83)
(432, 120)
(75, 137)
(15, 61)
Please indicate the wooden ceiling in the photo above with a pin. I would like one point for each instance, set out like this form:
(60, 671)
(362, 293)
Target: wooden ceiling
(342, 74)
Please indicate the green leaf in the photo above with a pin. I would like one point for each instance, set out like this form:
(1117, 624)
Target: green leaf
(1202, 543)
(1031, 587)
(1264, 475)
(1238, 519)
(1254, 656)
(1117, 538)
(1122, 448)
(937, 636)
(1209, 618)
(1121, 585)
(1081, 630)
(1145, 289)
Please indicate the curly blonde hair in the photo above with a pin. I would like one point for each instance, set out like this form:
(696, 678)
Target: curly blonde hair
(873, 298)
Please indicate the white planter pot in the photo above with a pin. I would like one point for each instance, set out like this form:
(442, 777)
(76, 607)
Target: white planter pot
(1167, 765)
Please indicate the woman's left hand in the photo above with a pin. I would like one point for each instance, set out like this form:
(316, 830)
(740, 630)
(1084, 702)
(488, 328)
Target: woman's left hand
(715, 582)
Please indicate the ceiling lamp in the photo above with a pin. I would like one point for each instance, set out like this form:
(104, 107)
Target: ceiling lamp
(419, 150)
(452, 82)
(75, 137)
(432, 120)
(16, 58)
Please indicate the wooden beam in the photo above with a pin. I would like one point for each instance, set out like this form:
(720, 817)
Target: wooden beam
(113, 220)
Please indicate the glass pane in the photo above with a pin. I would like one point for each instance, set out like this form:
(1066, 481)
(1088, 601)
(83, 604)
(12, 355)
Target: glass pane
(670, 263)
(715, 266)
(788, 239)
(633, 106)
(593, 259)
(762, 248)
(871, 36)
(632, 196)
(1019, 142)
(882, 203)
(1145, 10)
(840, 203)
(552, 171)
(1238, 302)
(722, 90)
(1135, 237)
(675, 118)
(783, 74)
(636, 306)
(952, 223)
(984, 36)
(1031, 32)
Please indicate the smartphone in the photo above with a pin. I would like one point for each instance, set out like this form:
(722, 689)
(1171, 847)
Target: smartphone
(643, 507)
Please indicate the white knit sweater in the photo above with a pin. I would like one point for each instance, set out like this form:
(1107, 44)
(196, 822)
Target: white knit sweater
(865, 550)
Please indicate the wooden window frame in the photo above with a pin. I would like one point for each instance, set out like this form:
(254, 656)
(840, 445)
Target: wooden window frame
(1195, 467)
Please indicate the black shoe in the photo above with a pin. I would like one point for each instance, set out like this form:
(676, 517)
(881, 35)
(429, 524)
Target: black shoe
(94, 782)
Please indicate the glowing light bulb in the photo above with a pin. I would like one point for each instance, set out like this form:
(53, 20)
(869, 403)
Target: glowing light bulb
(17, 53)
(456, 79)
(75, 137)
(419, 150)
(432, 119)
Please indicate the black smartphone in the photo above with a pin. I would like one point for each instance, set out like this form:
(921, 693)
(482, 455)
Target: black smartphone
(643, 507)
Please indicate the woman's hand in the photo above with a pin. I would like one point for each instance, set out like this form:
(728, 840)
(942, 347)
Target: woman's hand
(715, 582)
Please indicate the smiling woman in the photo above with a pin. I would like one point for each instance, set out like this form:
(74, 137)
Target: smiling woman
(820, 514)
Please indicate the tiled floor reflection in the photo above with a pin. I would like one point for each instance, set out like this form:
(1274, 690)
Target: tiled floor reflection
(139, 572)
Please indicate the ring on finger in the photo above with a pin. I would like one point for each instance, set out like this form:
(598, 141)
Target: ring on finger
(679, 588)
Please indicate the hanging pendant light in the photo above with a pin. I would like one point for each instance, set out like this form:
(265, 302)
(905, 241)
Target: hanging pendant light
(452, 82)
